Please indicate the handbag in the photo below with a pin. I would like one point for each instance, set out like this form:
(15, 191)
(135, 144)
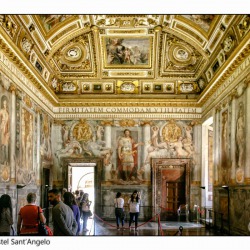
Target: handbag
(50, 233)
(42, 229)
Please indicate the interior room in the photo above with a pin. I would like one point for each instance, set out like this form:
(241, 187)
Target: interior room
(80, 94)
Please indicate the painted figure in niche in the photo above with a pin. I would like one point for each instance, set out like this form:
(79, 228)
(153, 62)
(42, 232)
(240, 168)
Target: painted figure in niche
(188, 141)
(27, 139)
(45, 141)
(224, 136)
(29, 151)
(4, 131)
(127, 156)
(240, 138)
(65, 134)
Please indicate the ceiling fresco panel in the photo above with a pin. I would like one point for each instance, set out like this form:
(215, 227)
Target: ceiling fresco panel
(127, 51)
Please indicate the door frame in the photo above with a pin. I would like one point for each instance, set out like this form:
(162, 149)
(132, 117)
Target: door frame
(159, 164)
(97, 176)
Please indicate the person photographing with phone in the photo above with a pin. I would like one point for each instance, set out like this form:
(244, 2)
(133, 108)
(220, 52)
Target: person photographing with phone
(134, 208)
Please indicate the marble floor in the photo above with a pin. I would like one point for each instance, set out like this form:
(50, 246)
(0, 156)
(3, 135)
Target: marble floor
(97, 227)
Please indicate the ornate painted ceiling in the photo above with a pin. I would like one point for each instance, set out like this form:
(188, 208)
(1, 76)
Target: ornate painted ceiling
(124, 57)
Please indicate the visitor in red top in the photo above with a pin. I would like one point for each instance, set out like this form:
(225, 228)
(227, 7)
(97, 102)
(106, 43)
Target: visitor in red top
(28, 219)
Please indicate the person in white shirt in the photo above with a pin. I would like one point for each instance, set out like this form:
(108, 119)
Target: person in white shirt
(119, 212)
(134, 206)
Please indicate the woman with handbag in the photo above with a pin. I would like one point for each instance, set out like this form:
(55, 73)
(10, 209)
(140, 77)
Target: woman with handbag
(86, 212)
(119, 212)
(29, 217)
(6, 220)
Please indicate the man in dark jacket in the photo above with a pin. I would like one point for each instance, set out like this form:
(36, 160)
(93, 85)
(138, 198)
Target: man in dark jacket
(64, 222)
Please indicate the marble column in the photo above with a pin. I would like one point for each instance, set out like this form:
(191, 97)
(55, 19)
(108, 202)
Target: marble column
(13, 135)
(108, 139)
(107, 134)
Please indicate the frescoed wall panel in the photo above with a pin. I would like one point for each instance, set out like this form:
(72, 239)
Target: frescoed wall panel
(225, 156)
(5, 121)
(45, 148)
(25, 170)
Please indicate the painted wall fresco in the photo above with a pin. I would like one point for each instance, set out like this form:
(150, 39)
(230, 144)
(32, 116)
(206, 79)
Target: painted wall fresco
(4, 135)
(240, 143)
(225, 163)
(25, 161)
(126, 151)
(45, 148)
(210, 162)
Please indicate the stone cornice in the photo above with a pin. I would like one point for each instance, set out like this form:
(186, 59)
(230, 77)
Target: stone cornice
(21, 63)
(225, 72)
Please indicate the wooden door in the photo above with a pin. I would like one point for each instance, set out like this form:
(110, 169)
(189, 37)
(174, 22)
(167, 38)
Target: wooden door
(171, 186)
(175, 196)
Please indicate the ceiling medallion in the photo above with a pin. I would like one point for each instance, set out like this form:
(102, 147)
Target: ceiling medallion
(73, 54)
(181, 55)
